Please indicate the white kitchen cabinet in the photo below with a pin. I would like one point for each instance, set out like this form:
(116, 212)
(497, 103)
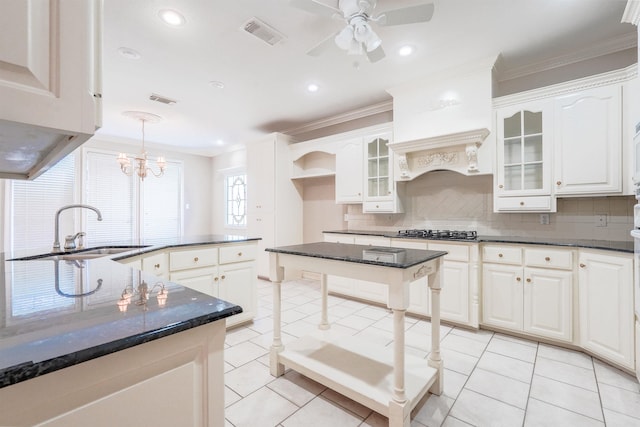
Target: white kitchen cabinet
(418, 292)
(237, 285)
(156, 263)
(638, 350)
(605, 285)
(588, 142)
(274, 201)
(380, 187)
(531, 294)
(203, 280)
(523, 168)
(50, 82)
(349, 171)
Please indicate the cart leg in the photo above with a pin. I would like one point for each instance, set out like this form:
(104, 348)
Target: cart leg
(435, 359)
(276, 274)
(324, 320)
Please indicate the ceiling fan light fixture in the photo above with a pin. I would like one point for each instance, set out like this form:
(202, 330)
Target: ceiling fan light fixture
(373, 41)
(345, 38)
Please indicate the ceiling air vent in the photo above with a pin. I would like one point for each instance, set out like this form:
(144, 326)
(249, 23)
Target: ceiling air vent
(264, 32)
(162, 99)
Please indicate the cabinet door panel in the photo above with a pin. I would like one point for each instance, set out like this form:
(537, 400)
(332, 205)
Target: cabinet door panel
(261, 174)
(587, 155)
(203, 280)
(502, 296)
(454, 301)
(606, 306)
(349, 172)
(237, 284)
(548, 302)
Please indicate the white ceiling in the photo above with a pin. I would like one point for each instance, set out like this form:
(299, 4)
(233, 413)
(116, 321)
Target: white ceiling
(265, 86)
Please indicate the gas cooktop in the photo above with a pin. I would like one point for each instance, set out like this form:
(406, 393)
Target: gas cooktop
(440, 234)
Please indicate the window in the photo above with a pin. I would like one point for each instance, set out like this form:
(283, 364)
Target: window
(236, 198)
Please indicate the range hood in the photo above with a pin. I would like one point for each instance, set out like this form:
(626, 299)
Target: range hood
(444, 121)
(455, 151)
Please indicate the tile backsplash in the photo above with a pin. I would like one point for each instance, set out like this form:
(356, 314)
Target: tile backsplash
(447, 200)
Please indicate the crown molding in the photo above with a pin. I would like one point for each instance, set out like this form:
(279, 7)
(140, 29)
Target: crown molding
(632, 12)
(604, 79)
(381, 107)
(626, 41)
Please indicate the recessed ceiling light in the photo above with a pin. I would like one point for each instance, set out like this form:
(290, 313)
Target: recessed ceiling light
(217, 84)
(406, 50)
(129, 53)
(220, 142)
(171, 17)
(312, 87)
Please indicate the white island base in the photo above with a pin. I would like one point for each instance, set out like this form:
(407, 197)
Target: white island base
(384, 379)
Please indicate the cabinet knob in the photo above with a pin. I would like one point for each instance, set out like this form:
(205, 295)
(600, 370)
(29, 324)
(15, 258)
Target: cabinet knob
(239, 253)
(558, 182)
(528, 280)
(500, 186)
(377, 206)
(223, 276)
(156, 266)
(195, 259)
(518, 279)
(500, 255)
(388, 192)
(547, 258)
(359, 194)
(582, 265)
(521, 203)
(215, 279)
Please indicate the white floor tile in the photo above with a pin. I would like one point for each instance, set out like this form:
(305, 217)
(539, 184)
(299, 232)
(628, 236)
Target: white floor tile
(373, 313)
(346, 403)
(517, 340)
(620, 400)
(434, 411)
(266, 340)
(507, 366)
(290, 316)
(248, 378)
(230, 396)
(479, 410)
(237, 335)
(243, 353)
(375, 420)
(541, 414)
(356, 322)
(296, 388)
(453, 383)
(264, 407)
(262, 325)
(564, 355)
(321, 412)
(376, 336)
(454, 422)
(499, 387)
(463, 345)
(607, 374)
(513, 349)
(459, 362)
(480, 335)
(566, 396)
(566, 373)
(615, 419)
(300, 328)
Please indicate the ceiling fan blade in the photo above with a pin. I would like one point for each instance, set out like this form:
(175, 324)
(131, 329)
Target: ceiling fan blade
(315, 7)
(406, 15)
(323, 46)
(376, 55)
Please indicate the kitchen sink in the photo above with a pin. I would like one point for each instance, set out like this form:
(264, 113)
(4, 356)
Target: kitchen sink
(88, 253)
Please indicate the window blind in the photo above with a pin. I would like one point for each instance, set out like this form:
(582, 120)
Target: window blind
(162, 203)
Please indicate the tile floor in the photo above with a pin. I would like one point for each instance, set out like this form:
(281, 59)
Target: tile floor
(491, 379)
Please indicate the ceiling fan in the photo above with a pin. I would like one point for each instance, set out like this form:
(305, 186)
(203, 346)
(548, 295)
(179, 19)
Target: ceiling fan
(358, 36)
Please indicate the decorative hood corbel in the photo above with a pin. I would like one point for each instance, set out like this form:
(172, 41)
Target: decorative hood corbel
(456, 151)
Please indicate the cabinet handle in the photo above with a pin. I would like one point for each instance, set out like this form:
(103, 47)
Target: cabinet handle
(582, 265)
(521, 203)
(547, 258)
(518, 279)
(528, 280)
(500, 255)
(156, 266)
(500, 186)
(558, 182)
(195, 259)
(239, 253)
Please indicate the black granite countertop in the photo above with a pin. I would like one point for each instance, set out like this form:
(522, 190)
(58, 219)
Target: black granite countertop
(612, 245)
(56, 313)
(361, 254)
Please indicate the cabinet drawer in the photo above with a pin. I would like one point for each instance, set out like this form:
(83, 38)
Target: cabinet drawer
(456, 252)
(502, 254)
(229, 254)
(193, 258)
(383, 206)
(549, 258)
(528, 203)
(372, 240)
(338, 238)
(155, 264)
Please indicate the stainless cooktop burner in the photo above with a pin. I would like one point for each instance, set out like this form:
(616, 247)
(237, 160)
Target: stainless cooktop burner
(440, 234)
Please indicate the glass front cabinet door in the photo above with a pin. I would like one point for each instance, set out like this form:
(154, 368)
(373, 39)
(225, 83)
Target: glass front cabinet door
(523, 158)
(380, 187)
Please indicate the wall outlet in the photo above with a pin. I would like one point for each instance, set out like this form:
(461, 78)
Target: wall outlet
(601, 220)
(544, 219)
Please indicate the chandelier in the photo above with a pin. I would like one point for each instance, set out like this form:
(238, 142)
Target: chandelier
(139, 164)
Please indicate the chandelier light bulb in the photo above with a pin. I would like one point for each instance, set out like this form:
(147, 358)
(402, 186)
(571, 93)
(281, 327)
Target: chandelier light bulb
(345, 37)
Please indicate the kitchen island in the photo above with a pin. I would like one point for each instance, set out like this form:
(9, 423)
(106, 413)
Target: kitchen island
(386, 380)
(95, 342)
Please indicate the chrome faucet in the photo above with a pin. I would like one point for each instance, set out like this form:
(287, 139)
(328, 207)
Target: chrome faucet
(56, 241)
(70, 241)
